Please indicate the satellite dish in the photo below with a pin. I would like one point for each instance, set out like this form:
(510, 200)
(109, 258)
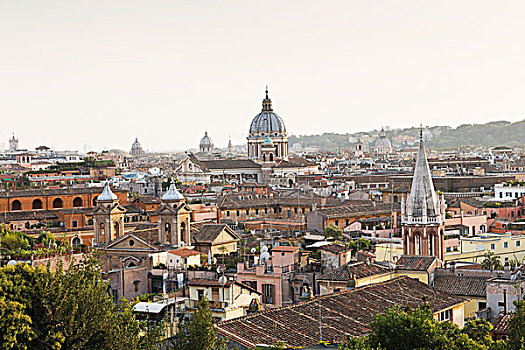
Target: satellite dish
(265, 256)
(12, 262)
(253, 250)
(223, 280)
(264, 249)
(181, 244)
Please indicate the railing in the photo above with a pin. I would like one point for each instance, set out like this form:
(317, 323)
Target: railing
(214, 304)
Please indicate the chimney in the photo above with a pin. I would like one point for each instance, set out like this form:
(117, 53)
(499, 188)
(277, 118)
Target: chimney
(453, 267)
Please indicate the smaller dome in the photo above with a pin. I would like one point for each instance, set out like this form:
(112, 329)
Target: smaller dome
(172, 194)
(107, 194)
(268, 141)
(383, 145)
(206, 143)
(136, 148)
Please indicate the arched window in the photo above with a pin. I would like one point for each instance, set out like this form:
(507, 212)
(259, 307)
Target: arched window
(77, 202)
(102, 228)
(264, 157)
(16, 205)
(271, 157)
(75, 242)
(95, 201)
(182, 231)
(58, 203)
(116, 227)
(37, 204)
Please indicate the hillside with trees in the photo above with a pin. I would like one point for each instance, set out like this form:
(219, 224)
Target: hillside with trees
(486, 135)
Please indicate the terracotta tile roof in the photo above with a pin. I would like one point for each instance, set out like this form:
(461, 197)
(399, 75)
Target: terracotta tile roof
(209, 233)
(28, 215)
(55, 192)
(344, 314)
(501, 323)
(335, 248)
(294, 162)
(462, 285)
(358, 209)
(416, 263)
(184, 252)
(357, 269)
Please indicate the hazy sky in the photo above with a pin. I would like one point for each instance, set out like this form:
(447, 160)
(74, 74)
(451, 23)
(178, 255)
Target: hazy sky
(104, 72)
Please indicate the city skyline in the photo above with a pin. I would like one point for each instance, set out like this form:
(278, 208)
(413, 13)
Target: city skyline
(77, 76)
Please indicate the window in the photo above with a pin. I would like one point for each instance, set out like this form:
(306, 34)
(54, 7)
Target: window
(445, 315)
(228, 213)
(268, 293)
(77, 202)
(247, 211)
(492, 246)
(256, 211)
(200, 294)
(295, 211)
(482, 305)
(505, 244)
(215, 294)
(16, 205)
(136, 285)
(75, 223)
(58, 203)
(131, 243)
(518, 243)
(37, 204)
(336, 222)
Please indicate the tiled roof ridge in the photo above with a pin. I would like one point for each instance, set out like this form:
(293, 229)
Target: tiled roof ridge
(247, 317)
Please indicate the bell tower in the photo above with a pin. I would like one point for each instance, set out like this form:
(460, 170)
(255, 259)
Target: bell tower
(108, 217)
(174, 218)
(423, 212)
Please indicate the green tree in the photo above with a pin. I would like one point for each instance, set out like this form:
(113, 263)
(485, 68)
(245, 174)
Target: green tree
(516, 340)
(70, 310)
(361, 244)
(406, 329)
(198, 333)
(333, 231)
(491, 262)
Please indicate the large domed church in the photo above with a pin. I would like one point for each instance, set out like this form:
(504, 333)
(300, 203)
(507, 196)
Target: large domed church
(267, 140)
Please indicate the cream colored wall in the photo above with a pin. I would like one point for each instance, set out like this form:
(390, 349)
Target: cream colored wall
(422, 276)
(472, 306)
(388, 252)
(470, 248)
(374, 279)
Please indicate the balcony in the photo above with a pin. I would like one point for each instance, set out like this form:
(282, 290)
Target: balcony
(215, 305)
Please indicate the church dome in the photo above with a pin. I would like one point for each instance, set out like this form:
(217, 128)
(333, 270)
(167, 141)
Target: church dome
(136, 148)
(206, 143)
(383, 145)
(267, 122)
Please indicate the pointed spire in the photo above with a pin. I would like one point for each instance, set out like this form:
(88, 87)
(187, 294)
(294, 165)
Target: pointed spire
(107, 194)
(422, 205)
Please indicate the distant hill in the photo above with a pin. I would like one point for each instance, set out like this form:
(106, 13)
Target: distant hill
(486, 135)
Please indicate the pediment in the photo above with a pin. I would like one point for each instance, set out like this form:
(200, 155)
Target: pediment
(131, 242)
